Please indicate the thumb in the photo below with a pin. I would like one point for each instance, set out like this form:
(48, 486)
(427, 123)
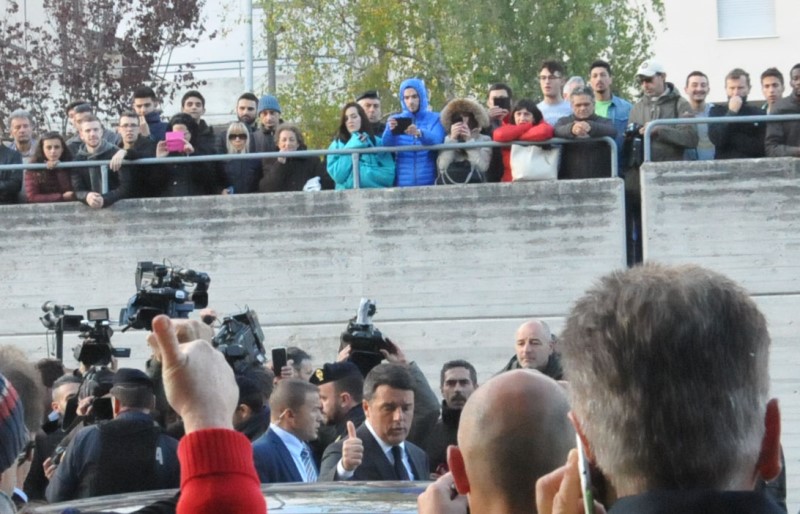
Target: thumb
(351, 430)
(166, 340)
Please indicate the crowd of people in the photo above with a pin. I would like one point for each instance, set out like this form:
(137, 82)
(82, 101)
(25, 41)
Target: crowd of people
(661, 373)
(584, 109)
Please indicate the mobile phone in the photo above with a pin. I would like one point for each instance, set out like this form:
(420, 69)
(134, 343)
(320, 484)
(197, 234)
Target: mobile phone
(175, 142)
(402, 124)
(586, 479)
(279, 360)
(502, 102)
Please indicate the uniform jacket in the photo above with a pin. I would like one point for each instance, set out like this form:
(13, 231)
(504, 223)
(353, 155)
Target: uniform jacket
(669, 142)
(81, 460)
(274, 463)
(375, 466)
(416, 168)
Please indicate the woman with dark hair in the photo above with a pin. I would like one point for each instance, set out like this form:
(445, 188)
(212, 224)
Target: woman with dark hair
(190, 179)
(526, 124)
(355, 131)
(50, 185)
(293, 173)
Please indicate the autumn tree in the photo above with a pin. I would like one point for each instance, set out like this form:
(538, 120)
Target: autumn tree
(335, 49)
(100, 50)
(23, 74)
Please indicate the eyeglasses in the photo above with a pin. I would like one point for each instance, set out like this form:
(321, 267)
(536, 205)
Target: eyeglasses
(646, 80)
(231, 137)
(545, 78)
(129, 125)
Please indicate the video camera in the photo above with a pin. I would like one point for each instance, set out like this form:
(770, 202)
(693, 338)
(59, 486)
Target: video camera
(162, 290)
(366, 341)
(95, 348)
(241, 341)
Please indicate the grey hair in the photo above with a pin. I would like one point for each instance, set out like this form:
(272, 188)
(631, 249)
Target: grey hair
(582, 91)
(668, 372)
(20, 113)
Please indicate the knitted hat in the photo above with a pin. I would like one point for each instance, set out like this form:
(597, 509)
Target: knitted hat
(13, 435)
(268, 103)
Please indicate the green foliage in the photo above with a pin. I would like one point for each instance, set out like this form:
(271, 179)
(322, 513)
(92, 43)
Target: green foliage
(338, 48)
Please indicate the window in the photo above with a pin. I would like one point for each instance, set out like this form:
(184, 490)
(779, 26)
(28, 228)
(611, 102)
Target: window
(745, 18)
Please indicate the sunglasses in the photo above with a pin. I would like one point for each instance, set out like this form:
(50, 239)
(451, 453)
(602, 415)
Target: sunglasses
(231, 137)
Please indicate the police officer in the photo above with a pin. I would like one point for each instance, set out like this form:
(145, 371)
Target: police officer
(126, 454)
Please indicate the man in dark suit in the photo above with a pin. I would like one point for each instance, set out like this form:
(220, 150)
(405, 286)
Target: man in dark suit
(282, 453)
(378, 450)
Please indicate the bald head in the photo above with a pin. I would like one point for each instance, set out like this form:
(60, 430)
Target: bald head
(513, 430)
(533, 344)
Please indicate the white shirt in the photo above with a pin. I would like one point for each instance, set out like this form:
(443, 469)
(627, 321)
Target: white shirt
(387, 452)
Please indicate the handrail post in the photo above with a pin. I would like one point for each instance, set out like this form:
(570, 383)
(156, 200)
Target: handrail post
(356, 170)
(104, 178)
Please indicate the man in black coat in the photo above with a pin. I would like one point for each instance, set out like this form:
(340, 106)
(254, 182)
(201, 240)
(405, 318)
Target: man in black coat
(87, 182)
(341, 392)
(737, 140)
(584, 160)
(10, 181)
(379, 450)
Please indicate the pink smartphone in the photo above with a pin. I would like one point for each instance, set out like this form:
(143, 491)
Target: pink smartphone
(175, 142)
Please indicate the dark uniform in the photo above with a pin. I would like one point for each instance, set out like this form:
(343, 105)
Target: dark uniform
(127, 454)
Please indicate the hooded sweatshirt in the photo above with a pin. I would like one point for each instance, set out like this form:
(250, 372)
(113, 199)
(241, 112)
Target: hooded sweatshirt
(416, 168)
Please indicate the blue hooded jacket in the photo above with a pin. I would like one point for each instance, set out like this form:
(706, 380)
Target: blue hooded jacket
(416, 168)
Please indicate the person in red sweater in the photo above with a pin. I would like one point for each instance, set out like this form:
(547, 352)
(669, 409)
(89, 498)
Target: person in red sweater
(217, 471)
(526, 124)
(44, 186)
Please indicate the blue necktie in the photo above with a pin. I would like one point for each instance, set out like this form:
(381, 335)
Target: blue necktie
(311, 472)
(399, 468)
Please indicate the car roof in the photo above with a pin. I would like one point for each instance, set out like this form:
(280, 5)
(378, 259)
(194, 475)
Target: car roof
(339, 497)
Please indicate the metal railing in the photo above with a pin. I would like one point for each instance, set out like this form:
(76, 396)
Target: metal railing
(771, 118)
(355, 152)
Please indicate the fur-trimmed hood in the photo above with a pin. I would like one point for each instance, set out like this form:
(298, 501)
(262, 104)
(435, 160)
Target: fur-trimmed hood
(464, 105)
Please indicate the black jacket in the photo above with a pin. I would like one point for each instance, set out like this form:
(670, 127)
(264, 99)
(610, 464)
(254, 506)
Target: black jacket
(553, 368)
(137, 181)
(89, 179)
(736, 140)
(585, 160)
(443, 434)
(10, 181)
(293, 175)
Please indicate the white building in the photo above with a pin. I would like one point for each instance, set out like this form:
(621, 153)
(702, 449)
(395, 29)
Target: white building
(715, 36)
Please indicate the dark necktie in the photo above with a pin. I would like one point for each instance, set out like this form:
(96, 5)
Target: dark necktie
(399, 468)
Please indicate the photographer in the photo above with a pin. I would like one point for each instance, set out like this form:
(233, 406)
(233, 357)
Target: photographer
(463, 120)
(126, 454)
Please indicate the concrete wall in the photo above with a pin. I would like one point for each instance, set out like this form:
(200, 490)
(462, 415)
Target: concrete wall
(454, 270)
(740, 218)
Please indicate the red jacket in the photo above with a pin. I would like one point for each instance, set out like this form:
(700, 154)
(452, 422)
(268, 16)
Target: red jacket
(524, 132)
(218, 475)
(43, 186)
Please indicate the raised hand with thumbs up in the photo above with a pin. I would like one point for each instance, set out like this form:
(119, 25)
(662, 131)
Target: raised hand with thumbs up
(352, 449)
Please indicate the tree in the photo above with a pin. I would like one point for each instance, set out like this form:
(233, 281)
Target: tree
(22, 74)
(101, 50)
(333, 50)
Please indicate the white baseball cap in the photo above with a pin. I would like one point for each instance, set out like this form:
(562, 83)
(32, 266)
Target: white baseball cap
(649, 68)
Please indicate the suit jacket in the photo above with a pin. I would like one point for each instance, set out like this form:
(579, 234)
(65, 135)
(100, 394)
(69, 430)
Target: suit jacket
(273, 461)
(375, 466)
